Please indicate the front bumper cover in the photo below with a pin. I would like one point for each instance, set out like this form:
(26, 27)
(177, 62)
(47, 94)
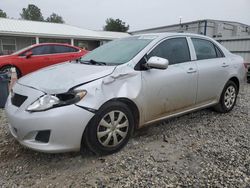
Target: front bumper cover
(66, 124)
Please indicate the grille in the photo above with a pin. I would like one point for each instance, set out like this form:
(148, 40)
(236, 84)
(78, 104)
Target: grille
(18, 100)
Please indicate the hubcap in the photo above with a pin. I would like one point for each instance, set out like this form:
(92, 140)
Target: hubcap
(7, 70)
(230, 96)
(112, 129)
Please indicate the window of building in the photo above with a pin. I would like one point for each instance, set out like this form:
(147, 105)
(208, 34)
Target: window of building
(33, 41)
(1, 48)
(176, 50)
(8, 45)
(82, 44)
(53, 40)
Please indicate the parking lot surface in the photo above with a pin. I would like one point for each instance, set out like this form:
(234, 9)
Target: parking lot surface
(201, 149)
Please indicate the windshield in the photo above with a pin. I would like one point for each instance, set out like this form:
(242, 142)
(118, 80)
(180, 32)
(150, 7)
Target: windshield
(22, 50)
(118, 51)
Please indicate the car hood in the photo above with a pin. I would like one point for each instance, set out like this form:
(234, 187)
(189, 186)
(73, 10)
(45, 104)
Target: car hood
(62, 77)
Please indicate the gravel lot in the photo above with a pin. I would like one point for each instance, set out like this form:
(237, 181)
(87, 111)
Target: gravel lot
(202, 149)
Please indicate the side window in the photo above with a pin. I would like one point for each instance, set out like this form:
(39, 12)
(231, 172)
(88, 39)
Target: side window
(204, 49)
(23, 54)
(41, 50)
(176, 50)
(64, 49)
(218, 52)
(73, 49)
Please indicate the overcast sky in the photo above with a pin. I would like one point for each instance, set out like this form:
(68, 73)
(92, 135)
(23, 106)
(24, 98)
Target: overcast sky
(139, 14)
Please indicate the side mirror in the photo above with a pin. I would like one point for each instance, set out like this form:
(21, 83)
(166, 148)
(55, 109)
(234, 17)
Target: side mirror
(28, 54)
(157, 63)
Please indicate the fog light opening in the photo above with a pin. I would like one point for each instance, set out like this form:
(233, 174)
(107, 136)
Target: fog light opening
(43, 136)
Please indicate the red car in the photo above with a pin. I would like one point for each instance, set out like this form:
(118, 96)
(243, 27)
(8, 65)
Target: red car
(38, 56)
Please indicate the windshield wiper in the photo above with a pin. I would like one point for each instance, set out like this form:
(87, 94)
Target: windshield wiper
(93, 62)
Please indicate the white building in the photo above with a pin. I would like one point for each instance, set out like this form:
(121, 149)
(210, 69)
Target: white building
(233, 35)
(17, 34)
(211, 28)
(237, 45)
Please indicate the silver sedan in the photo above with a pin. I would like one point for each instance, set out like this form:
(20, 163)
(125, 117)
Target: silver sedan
(98, 101)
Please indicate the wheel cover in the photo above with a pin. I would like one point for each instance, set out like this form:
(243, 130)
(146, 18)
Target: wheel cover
(113, 128)
(229, 97)
(6, 69)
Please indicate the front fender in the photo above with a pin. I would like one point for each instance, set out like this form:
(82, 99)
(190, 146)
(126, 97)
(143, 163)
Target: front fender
(124, 82)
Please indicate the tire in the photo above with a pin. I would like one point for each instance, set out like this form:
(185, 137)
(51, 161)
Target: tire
(8, 67)
(103, 137)
(228, 98)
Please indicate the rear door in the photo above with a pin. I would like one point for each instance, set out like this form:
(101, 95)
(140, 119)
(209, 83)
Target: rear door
(213, 70)
(172, 89)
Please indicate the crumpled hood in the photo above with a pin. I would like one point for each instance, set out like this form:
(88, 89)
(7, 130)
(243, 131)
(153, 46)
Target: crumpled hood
(60, 78)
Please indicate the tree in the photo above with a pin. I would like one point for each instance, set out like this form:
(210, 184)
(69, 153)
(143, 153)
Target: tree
(55, 18)
(32, 12)
(115, 25)
(3, 14)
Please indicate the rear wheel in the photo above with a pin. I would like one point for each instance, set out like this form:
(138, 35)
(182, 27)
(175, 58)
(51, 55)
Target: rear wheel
(110, 129)
(228, 98)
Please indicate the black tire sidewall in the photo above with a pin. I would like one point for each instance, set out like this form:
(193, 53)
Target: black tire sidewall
(5, 68)
(18, 72)
(91, 130)
(222, 103)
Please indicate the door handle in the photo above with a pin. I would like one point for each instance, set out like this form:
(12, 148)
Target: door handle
(191, 70)
(225, 65)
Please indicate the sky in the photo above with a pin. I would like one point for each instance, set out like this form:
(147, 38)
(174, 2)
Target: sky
(139, 14)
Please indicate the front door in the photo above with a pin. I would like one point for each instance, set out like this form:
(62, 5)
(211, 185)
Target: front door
(173, 89)
(40, 58)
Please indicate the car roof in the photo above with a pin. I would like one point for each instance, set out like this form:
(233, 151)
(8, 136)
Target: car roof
(61, 44)
(170, 34)
(43, 44)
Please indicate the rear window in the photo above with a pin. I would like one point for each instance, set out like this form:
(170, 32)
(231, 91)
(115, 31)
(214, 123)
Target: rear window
(63, 49)
(218, 52)
(205, 49)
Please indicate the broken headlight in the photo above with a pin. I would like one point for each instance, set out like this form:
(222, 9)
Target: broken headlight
(47, 101)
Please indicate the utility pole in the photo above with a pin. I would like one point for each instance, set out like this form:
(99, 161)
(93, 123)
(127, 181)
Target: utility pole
(180, 19)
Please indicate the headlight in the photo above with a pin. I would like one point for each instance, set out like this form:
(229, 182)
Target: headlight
(51, 101)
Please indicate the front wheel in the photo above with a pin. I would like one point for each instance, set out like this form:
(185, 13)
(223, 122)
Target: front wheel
(228, 98)
(7, 69)
(110, 129)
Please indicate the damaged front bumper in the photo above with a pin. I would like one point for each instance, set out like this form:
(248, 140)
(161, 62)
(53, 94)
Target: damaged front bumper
(53, 131)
